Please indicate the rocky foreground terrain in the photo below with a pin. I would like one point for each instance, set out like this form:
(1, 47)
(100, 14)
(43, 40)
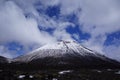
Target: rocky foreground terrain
(81, 74)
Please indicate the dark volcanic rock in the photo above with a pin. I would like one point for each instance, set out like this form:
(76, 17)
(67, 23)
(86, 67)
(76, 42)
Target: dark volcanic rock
(3, 60)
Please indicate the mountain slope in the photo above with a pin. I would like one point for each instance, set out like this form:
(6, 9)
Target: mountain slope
(3, 59)
(66, 54)
(4, 62)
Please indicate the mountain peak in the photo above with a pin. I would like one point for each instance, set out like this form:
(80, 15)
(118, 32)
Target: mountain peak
(62, 44)
(66, 45)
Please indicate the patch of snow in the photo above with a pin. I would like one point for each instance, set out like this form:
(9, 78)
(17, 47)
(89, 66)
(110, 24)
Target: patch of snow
(31, 76)
(66, 45)
(21, 76)
(99, 71)
(64, 72)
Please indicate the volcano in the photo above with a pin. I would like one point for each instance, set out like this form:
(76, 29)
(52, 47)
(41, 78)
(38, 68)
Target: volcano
(65, 54)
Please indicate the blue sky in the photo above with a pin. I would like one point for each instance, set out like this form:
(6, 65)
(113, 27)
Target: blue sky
(111, 37)
(29, 24)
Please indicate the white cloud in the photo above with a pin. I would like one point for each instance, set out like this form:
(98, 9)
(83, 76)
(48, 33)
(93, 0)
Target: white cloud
(69, 6)
(61, 35)
(50, 3)
(76, 36)
(100, 17)
(112, 51)
(95, 43)
(14, 26)
(5, 52)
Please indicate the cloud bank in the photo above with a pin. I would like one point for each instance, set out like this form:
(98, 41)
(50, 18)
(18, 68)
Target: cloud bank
(14, 26)
(27, 22)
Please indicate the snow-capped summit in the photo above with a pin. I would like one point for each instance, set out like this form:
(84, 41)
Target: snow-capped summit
(60, 45)
(64, 45)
